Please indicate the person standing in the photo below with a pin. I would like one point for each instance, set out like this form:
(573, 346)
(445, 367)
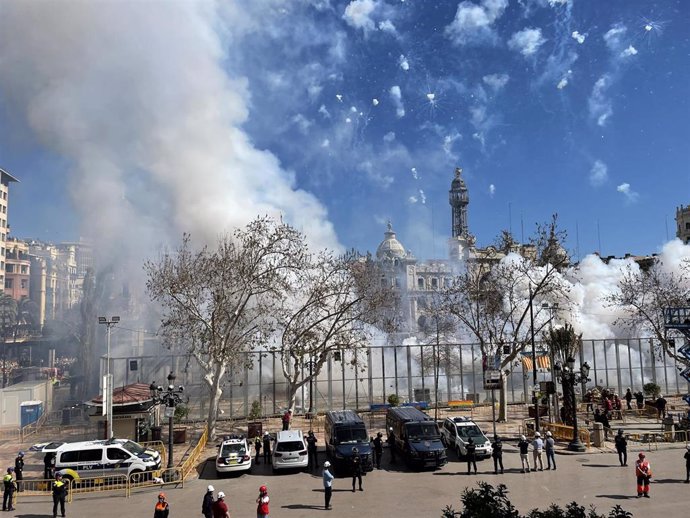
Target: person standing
(327, 484)
(49, 466)
(378, 449)
(391, 443)
(19, 470)
(643, 472)
(59, 495)
(257, 447)
(220, 508)
(523, 445)
(537, 451)
(628, 398)
(356, 466)
(660, 404)
(287, 417)
(9, 486)
(622, 448)
(471, 453)
(267, 447)
(550, 448)
(207, 504)
(311, 450)
(687, 464)
(262, 503)
(639, 399)
(162, 509)
(497, 454)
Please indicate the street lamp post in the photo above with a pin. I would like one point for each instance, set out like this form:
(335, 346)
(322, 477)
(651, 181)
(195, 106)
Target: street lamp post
(171, 397)
(552, 308)
(108, 385)
(568, 375)
(535, 399)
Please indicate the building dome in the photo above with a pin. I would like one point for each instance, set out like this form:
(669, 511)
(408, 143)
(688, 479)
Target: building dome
(390, 247)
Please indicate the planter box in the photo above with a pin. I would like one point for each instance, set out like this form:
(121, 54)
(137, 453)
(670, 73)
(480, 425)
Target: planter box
(543, 410)
(179, 435)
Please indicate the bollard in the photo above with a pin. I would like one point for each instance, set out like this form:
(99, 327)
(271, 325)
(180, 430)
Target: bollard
(598, 435)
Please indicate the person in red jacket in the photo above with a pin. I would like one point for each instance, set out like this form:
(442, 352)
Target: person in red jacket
(643, 472)
(287, 417)
(262, 503)
(220, 508)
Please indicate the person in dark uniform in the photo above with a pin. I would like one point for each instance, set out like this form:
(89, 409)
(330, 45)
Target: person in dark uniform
(207, 503)
(687, 464)
(639, 399)
(497, 454)
(391, 443)
(19, 470)
(10, 487)
(257, 447)
(628, 399)
(471, 451)
(48, 466)
(267, 447)
(59, 495)
(378, 449)
(311, 450)
(356, 465)
(621, 447)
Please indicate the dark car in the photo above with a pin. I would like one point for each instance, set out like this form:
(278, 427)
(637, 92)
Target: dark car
(345, 430)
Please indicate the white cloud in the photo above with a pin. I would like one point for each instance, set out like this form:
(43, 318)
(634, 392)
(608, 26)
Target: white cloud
(562, 83)
(496, 81)
(389, 137)
(302, 123)
(358, 14)
(614, 37)
(314, 91)
(396, 96)
(324, 111)
(580, 38)
(526, 41)
(412, 199)
(414, 173)
(473, 23)
(448, 141)
(404, 64)
(387, 26)
(422, 197)
(374, 173)
(600, 107)
(629, 51)
(630, 195)
(599, 174)
(325, 143)
(375, 102)
(492, 190)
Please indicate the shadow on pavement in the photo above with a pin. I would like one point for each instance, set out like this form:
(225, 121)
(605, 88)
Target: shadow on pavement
(603, 465)
(668, 481)
(301, 506)
(618, 497)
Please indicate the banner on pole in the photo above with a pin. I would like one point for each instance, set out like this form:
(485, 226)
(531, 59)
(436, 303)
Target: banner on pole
(106, 395)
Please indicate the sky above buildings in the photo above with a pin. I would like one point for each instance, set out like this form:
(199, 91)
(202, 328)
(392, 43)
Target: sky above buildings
(137, 121)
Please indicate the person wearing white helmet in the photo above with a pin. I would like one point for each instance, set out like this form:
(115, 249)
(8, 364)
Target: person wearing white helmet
(327, 484)
(687, 464)
(207, 504)
(523, 444)
(550, 448)
(537, 450)
(220, 508)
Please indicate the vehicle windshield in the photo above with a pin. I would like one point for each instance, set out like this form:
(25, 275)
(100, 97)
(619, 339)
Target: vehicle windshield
(422, 431)
(351, 435)
(290, 446)
(235, 447)
(133, 447)
(465, 432)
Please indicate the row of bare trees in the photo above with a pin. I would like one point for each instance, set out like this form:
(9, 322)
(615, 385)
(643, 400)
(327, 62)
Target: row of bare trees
(264, 289)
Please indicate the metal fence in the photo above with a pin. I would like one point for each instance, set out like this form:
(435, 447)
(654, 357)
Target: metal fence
(357, 379)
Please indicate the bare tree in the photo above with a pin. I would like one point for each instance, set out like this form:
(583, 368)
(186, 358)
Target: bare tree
(216, 302)
(643, 294)
(492, 301)
(336, 304)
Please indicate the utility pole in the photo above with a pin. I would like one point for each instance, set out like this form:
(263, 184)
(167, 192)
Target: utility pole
(108, 384)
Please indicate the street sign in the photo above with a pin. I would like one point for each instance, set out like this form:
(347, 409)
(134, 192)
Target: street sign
(169, 411)
(685, 351)
(686, 374)
(492, 379)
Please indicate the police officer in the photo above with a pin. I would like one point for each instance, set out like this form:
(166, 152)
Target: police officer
(622, 447)
(471, 453)
(497, 454)
(48, 465)
(59, 495)
(378, 449)
(356, 464)
(10, 487)
(311, 450)
(257, 447)
(391, 443)
(267, 447)
(19, 469)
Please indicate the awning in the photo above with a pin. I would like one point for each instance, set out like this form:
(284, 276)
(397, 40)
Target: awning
(543, 363)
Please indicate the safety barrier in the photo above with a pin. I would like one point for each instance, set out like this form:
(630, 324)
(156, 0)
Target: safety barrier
(156, 478)
(33, 487)
(100, 484)
(189, 464)
(559, 431)
(31, 429)
(652, 439)
(158, 446)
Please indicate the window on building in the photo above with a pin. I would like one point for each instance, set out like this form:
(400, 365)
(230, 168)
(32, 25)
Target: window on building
(4, 209)
(25, 284)
(434, 283)
(397, 282)
(420, 283)
(4, 195)
(8, 284)
(24, 269)
(687, 226)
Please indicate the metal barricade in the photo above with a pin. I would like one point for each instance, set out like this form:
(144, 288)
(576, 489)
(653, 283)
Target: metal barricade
(99, 484)
(189, 464)
(158, 446)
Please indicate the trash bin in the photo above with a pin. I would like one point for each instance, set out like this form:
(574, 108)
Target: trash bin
(155, 433)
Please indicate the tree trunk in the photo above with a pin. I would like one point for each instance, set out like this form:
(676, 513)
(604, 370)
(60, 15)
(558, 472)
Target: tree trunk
(213, 380)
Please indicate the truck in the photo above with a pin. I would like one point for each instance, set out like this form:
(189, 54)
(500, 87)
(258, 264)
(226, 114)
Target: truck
(415, 437)
(345, 430)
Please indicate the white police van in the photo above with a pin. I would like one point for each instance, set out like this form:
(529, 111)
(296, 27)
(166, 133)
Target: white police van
(85, 459)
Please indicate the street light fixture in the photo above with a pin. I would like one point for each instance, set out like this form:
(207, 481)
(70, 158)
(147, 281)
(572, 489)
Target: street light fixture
(108, 382)
(171, 397)
(566, 373)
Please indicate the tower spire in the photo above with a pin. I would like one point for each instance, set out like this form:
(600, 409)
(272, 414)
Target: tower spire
(459, 200)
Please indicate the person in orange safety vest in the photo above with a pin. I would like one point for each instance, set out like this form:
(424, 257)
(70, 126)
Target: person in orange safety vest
(643, 472)
(162, 507)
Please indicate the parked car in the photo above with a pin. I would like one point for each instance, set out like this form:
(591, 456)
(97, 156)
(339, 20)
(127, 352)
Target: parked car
(417, 438)
(289, 451)
(233, 455)
(345, 430)
(456, 431)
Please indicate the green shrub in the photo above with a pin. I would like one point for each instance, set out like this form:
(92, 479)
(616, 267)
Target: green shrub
(255, 411)
(651, 390)
(393, 400)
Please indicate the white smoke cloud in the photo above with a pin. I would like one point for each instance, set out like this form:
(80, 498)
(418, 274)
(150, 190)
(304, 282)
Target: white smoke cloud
(630, 195)
(358, 14)
(629, 51)
(473, 23)
(136, 99)
(600, 107)
(526, 41)
(404, 64)
(599, 174)
(580, 38)
(388, 26)
(492, 190)
(562, 83)
(496, 81)
(389, 137)
(396, 96)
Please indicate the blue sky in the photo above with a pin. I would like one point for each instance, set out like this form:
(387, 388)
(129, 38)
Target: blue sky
(342, 115)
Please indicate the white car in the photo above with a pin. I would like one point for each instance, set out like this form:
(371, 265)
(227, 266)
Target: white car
(233, 455)
(290, 451)
(456, 431)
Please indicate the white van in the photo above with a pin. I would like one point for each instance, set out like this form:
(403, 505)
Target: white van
(75, 460)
